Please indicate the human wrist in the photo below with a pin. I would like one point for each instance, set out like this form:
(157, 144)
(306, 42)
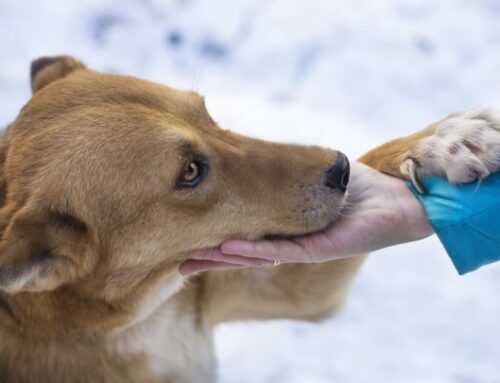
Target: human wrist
(414, 221)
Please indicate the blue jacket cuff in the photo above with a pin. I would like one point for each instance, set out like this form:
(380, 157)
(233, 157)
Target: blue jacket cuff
(466, 219)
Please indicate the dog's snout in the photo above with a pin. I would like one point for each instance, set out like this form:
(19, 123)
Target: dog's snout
(337, 175)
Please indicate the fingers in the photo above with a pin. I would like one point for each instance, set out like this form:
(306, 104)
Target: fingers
(211, 259)
(217, 256)
(193, 266)
(282, 250)
(237, 254)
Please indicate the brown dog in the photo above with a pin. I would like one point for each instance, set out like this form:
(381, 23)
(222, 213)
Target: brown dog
(107, 182)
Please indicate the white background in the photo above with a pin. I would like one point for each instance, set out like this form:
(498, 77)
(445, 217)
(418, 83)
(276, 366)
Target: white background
(344, 74)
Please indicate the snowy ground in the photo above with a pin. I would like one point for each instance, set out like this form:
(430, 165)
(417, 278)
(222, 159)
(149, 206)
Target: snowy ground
(346, 74)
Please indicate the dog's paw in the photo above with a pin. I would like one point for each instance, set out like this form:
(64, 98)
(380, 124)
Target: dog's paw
(465, 147)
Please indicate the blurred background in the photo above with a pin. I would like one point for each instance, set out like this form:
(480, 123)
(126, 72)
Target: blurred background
(344, 74)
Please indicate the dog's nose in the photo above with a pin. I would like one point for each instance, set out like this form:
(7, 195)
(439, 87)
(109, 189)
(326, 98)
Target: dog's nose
(337, 175)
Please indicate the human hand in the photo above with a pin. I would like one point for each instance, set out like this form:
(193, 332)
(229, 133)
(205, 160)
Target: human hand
(381, 212)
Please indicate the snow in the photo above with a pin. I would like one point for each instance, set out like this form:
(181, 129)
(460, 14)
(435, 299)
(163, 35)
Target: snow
(345, 74)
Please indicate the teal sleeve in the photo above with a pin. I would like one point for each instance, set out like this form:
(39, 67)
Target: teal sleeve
(466, 219)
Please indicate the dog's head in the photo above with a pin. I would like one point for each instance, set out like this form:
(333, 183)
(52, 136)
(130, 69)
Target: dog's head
(109, 180)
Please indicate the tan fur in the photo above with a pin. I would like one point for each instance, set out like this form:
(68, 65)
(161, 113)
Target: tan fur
(94, 229)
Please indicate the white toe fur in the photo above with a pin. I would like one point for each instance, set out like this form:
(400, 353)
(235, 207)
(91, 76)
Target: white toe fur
(464, 148)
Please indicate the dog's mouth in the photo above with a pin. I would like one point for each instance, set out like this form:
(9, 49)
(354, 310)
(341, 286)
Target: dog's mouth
(338, 212)
(335, 215)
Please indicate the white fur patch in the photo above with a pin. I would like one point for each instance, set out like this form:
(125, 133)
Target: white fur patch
(176, 348)
(20, 281)
(164, 289)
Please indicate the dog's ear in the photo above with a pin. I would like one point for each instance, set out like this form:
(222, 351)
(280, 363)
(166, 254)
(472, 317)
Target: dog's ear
(48, 69)
(41, 252)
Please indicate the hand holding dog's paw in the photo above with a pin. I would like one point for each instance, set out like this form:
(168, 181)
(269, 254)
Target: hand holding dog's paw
(465, 147)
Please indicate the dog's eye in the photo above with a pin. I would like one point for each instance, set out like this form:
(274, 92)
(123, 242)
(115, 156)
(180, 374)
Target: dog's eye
(191, 171)
(192, 174)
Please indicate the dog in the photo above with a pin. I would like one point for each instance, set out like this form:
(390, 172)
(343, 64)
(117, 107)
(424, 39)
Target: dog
(107, 182)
